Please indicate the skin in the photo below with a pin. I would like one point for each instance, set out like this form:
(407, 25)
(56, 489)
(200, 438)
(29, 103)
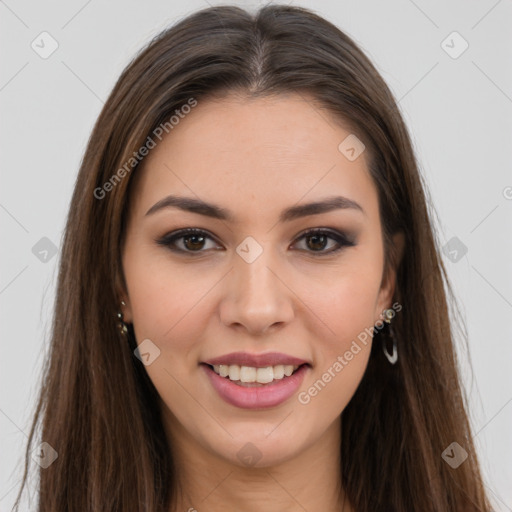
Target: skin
(254, 157)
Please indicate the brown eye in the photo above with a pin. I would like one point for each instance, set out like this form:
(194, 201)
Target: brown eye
(316, 240)
(191, 241)
(195, 241)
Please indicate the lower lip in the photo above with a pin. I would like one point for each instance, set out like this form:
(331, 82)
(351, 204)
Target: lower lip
(258, 397)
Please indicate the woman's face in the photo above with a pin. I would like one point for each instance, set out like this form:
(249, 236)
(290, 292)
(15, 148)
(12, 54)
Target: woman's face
(249, 296)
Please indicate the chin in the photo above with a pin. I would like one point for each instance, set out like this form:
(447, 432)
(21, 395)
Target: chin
(263, 445)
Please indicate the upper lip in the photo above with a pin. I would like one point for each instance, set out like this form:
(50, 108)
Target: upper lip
(256, 360)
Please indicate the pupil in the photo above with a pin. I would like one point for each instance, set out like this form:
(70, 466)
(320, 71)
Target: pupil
(316, 237)
(194, 245)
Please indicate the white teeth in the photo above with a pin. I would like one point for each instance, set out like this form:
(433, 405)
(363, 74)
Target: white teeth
(234, 372)
(288, 369)
(265, 375)
(252, 374)
(278, 371)
(247, 374)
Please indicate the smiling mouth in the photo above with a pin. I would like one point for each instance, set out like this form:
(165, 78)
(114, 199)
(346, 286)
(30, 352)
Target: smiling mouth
(251, 376)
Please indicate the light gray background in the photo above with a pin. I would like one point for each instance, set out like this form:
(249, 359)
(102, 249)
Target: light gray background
(458, 111)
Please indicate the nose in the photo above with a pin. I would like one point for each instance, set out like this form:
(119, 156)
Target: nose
(257, 297)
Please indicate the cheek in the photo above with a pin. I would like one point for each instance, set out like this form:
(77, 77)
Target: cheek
(166, 309)
(344, 304)
(346, 309)
(164, 301)
(352, 307)
(341, 358)
(167, 306)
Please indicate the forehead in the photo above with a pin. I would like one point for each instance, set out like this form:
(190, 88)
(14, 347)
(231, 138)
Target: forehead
(252, 154)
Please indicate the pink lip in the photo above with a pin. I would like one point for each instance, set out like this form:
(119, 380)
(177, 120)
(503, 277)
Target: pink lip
(257, 360)
(260, 397)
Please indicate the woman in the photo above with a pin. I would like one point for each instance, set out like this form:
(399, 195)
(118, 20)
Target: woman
(250, 311)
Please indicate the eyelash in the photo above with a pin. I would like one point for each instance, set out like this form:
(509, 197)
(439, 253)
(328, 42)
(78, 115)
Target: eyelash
(169, 239)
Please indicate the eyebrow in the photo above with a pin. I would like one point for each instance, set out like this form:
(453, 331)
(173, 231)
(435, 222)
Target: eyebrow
(294, 212)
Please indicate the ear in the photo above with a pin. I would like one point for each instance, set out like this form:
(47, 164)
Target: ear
(388, 284)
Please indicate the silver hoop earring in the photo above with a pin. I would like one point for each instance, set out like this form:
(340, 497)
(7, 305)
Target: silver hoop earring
(393, 357)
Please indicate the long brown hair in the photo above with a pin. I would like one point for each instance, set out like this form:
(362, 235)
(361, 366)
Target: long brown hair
(98, 408)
